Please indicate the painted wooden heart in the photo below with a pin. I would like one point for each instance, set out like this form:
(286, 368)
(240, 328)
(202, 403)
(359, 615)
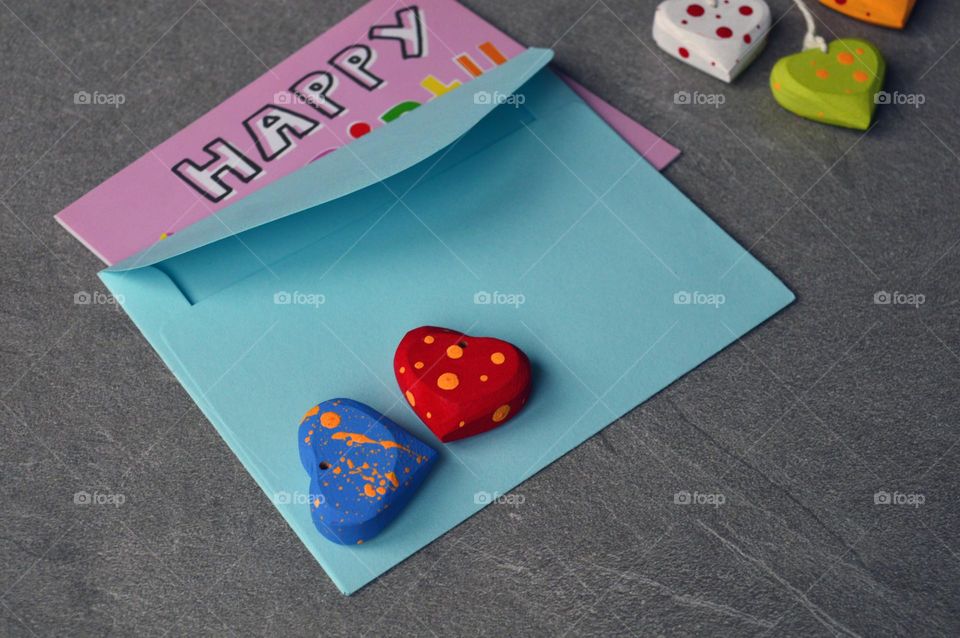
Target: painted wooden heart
(461, 385)
(886, 13)
(721, 40)
(837, 87)
(363, 469)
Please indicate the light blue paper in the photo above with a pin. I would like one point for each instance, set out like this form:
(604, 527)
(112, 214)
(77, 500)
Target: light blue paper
(502, 208)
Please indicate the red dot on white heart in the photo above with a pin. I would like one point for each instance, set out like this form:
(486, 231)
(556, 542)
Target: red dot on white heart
(684, 53)
(724, 32)
(745, 10)
(695, 10)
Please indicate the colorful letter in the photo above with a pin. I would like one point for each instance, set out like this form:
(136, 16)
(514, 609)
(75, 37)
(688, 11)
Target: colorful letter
(272, 127)
(207, 179)
(355, 61)
(315, 89)
(409, 30)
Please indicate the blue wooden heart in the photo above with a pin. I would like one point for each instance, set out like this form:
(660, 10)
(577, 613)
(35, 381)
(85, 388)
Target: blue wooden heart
(363, 468)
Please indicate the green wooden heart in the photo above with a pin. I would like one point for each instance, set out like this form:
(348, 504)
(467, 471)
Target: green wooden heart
(836, 87)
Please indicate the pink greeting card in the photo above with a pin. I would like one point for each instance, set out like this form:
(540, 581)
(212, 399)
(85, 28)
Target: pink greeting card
(381, 62)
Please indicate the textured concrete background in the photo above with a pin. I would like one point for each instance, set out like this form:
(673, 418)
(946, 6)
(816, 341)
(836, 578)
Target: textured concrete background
(798, 425)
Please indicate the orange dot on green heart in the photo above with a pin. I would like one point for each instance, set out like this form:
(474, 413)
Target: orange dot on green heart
(860, 76)
(823, 74)
(845, 58)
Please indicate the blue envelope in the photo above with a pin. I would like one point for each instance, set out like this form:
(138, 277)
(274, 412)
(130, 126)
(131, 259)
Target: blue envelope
(505, 208)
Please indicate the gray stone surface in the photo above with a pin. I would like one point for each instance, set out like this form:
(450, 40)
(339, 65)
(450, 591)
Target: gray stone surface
(798, 425)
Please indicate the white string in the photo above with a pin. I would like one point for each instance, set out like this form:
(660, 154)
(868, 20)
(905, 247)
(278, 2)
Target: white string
(810, 39)
(712, 3)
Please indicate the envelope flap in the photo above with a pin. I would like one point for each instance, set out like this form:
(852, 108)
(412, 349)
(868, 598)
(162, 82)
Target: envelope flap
(366, 161)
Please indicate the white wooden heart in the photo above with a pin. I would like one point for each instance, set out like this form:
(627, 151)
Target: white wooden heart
(721, 40)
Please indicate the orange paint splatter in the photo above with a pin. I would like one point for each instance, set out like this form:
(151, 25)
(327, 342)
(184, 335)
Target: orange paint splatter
(497, 358)
(393, 479)
(310, 413)
(362, 439)
(845, 58)
(410, 398)
(369, 491)
(860, 76)
(501, 413)
(329, 419)
(402, 369)
(484, 378)
(454, 351)
(428, 339)
(351, 438)
(418, 365)
(823, 74)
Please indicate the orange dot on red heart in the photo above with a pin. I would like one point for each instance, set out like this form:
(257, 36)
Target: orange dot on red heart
(448, 381)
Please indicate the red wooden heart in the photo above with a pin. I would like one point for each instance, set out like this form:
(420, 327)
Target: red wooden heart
(461, 385)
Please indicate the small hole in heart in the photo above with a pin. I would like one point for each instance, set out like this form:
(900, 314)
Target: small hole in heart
(462, 344)
(324, 465)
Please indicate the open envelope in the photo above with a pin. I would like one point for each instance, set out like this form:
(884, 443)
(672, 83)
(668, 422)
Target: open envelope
(505, 208)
